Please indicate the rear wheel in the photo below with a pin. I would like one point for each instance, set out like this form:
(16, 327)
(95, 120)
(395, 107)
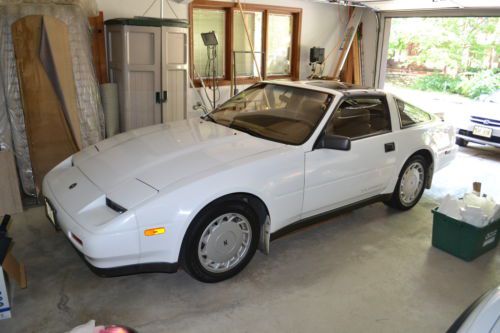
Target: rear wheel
(411, 184)
(461, 142)
(221, 241)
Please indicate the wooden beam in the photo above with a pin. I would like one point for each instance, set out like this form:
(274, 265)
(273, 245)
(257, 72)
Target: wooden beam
(357, 78)
(249, 40)
(345, 45)
(99, 47)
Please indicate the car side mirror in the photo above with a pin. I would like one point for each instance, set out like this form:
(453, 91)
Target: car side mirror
(335, 142)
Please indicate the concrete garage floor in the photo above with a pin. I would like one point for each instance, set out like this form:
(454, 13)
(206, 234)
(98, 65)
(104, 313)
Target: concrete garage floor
(371, 270)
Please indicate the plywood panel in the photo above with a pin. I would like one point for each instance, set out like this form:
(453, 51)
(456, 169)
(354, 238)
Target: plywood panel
(10, 196)
(55, 56)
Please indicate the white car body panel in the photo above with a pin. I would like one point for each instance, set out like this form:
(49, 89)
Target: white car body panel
(349, 176)
(165, 175)
(485, 316)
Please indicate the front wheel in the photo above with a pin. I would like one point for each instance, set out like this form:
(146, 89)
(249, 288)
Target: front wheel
(220, 242)
(410, 185)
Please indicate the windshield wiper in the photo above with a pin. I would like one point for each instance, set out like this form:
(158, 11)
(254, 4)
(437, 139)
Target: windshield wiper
(248, 131)
(209, 117)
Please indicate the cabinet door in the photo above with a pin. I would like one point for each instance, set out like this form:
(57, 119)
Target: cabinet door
(175, 73)
(143, 77)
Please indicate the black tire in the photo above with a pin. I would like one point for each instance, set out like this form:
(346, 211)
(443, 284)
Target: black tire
(190, 260)
(396, 200)
(461, 142)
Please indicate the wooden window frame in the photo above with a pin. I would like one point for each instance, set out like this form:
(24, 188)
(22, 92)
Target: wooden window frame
(230, 8)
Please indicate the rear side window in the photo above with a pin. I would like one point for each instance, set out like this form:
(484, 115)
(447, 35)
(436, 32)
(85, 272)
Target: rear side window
(359, 117)
(411, 115)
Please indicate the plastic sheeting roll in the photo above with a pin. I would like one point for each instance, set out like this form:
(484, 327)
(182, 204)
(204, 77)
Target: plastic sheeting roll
(109, 96)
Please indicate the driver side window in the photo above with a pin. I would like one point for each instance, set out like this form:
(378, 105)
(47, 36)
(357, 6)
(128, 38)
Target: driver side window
(360, 117)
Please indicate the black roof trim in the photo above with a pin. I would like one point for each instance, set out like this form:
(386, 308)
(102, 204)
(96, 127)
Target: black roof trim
(149, 22)
(336, 85)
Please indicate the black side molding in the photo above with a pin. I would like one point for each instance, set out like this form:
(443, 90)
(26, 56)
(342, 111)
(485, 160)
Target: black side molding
(327, 215)
(463, 317)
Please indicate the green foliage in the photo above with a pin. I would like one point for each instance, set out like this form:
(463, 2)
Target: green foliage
(451, 43)
(482, 83)
(437, 82)
(470, 85)
(464, 50)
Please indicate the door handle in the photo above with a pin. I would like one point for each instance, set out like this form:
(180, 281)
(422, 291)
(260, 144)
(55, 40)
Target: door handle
(391, 146)
(161, 97)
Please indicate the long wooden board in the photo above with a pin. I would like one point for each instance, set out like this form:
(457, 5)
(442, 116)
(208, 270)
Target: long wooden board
(345, 45)
(99, 47)
(55, 55)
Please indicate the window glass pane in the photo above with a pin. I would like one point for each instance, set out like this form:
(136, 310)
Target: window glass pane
(276, 112)
(358, 117)
(279, 44)
(411, 115)
(244, 61)
(206, 20)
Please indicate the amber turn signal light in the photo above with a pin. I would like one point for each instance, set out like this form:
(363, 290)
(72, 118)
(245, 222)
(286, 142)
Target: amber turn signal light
(154, 232)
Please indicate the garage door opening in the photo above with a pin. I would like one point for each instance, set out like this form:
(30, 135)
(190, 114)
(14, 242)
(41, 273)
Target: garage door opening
(446, 65)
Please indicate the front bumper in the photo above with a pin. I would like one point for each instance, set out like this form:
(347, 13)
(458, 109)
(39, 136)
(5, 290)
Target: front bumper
(466, 134)
(116, 261)
(100, 245)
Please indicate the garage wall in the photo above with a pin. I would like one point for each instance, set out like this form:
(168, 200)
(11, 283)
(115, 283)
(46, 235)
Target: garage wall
(322, 24)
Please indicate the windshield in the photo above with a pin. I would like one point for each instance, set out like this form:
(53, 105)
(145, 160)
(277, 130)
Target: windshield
(275, 112)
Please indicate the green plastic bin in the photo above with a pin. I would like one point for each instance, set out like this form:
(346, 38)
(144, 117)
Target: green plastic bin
(463, 240)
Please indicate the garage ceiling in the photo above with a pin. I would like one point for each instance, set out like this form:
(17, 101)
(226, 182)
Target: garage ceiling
(398, 5)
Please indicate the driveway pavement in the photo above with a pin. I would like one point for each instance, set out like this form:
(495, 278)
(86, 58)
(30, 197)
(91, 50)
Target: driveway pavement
(450, 107)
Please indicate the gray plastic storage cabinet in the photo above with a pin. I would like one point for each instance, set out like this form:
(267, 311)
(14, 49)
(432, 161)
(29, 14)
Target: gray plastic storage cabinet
(148, 59)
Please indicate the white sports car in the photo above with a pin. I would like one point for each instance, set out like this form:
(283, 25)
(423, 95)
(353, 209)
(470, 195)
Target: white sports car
(481, 316)
(206, 193)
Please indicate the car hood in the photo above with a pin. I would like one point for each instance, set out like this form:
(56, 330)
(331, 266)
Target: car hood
(486, 110)
(163, 154)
